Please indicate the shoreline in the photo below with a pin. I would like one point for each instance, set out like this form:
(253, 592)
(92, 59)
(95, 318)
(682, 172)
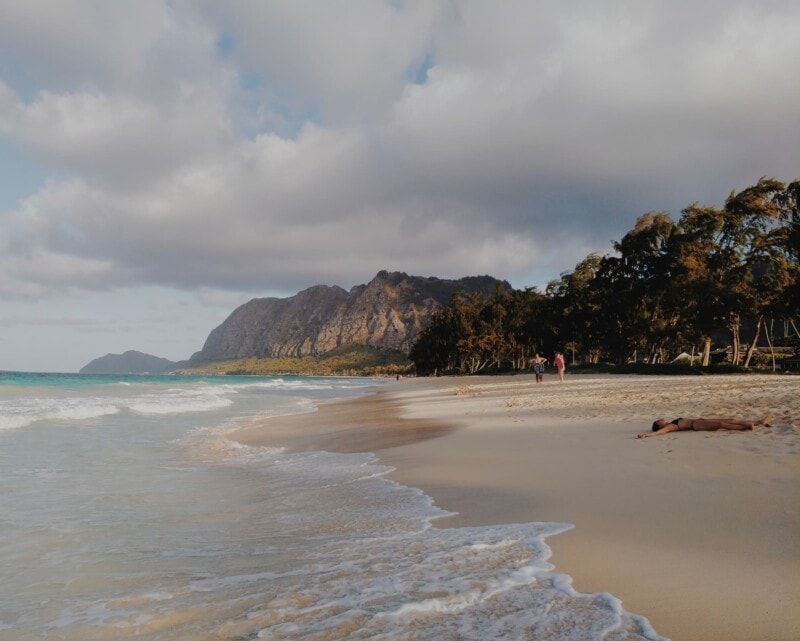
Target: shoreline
(698, 532)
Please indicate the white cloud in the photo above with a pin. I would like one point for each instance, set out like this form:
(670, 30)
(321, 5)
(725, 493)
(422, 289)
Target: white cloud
(141, 46)
(119, 141)
(344, 60)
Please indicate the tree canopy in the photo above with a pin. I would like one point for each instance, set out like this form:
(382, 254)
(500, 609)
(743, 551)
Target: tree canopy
(667, 285)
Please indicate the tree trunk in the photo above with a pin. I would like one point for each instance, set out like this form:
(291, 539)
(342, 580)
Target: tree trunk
(733, 326)
(771, 351)
(752, 347)
(706, 351)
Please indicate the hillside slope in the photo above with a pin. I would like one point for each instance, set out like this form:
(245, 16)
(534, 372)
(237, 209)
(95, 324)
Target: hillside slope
(387, 313)
(130, 362)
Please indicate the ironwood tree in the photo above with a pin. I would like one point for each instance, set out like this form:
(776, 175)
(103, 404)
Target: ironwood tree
(666, 286)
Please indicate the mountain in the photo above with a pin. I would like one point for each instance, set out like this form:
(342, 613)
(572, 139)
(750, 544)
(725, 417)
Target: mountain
(387, 313)
(130, 362)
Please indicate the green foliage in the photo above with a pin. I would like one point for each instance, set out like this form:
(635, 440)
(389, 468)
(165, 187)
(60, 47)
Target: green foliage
(475, 334)
(669, 286)
(348, 360)
(793, 343)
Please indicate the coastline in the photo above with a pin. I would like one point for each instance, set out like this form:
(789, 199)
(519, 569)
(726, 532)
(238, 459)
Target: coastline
(698, 532)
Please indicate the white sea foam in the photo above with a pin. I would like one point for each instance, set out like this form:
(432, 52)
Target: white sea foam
(59, 405)
(378, 570)
(24, 412)
(181, 401)
(432, 584)
(172, 531)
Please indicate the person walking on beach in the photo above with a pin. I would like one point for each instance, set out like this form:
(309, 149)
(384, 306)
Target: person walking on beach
(538, 367)
(558, 361)
(661, 426)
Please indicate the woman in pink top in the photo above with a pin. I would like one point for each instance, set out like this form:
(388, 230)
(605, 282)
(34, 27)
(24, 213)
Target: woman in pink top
(558, 361)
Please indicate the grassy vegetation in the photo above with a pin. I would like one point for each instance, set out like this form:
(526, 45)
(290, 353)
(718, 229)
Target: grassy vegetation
(360, 360)
(349, 360)
(666, 369)
(760, 364)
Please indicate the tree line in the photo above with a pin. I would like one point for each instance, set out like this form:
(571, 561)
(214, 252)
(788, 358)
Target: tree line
(668, 286)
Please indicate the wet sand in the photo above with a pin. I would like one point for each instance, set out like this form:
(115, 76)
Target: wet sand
(697, 531)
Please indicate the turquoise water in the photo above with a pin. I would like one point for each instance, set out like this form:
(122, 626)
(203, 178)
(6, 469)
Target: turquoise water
(127, 513)
(55, 379)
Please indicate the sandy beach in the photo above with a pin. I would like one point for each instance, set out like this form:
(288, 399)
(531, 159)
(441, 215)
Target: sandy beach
(697, 531)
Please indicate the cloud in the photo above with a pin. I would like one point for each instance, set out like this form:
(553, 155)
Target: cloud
(342, 61)
(249, 147)
(117, 141)
(142, 46)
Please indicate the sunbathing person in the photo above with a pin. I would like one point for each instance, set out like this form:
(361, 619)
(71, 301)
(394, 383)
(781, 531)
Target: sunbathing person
(662, 426)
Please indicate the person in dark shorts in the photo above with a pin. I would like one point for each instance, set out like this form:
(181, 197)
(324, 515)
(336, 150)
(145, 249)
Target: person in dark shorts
(661, 426)
(538, 367)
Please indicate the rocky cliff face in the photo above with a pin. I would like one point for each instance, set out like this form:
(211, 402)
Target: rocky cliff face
(387, 313)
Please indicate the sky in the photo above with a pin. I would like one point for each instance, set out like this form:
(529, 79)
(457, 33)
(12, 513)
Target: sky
(164, 161)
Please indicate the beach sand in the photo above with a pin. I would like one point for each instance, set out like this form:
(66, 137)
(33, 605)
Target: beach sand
(697, 531)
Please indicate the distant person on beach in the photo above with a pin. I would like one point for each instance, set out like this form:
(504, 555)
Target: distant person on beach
(538, 367)
(662, 426)
(558, 361)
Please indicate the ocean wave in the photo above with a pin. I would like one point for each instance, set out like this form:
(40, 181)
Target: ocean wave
(181, 401)
(378, 568)
(24, 413)
(26, 400)
(238, 542)
(436, 584)
(23, 406)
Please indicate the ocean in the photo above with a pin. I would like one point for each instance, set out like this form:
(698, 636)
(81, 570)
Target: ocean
(126, 513)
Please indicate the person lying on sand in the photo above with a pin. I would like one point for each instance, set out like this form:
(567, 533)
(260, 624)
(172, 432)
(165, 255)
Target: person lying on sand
(662, 426)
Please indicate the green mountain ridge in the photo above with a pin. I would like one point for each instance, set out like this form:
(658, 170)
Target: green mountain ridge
(324, 330)
(386, 314)
(130, 362)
